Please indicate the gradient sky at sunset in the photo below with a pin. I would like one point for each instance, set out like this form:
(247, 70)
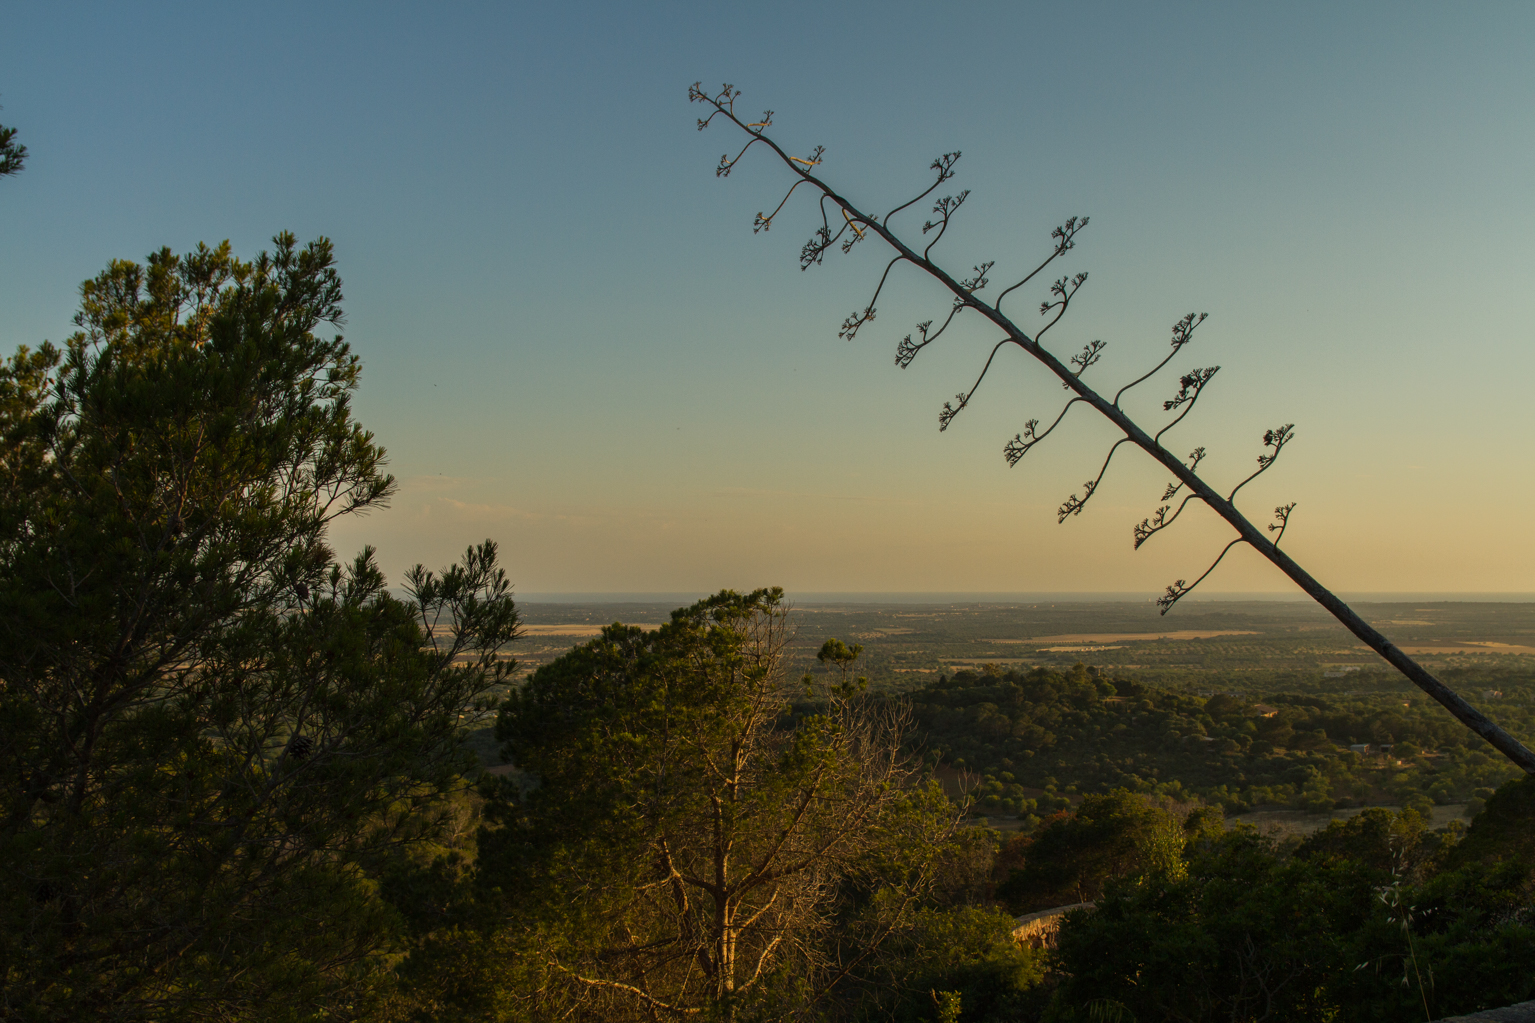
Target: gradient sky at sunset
(574, 344)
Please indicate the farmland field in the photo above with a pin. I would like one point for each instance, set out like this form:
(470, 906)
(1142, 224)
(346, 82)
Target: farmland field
(1258, 645)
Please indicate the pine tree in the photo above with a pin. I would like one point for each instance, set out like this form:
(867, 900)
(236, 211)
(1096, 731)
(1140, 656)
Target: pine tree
(212, 734)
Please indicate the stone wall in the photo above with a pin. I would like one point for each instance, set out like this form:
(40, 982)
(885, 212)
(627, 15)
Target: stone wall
(1524, 1012)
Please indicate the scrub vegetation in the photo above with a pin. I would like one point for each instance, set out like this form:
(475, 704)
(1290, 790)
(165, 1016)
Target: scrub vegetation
(1034, 740)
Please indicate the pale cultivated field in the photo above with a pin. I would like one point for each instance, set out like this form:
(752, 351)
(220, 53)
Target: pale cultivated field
(1224, 643)
(1299, 822)
(1468, 647)
(581, 629)
(1130, 637)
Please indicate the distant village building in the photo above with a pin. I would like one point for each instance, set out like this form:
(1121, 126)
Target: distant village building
(1263, 710)
(1359, 747)
(1038, 930)
(1492, 694)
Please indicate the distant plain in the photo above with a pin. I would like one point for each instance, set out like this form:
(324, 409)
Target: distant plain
(1258, 645)
(1247, 648)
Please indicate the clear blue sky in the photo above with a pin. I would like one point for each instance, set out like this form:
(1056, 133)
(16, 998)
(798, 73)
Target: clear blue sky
(574, 344)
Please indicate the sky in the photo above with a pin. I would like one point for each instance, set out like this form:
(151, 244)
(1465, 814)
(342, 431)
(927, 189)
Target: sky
(574, 344)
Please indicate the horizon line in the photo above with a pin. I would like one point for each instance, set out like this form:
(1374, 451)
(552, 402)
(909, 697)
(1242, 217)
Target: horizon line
(679, 597)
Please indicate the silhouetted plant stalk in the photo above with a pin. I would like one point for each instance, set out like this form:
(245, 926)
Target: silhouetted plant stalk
(1402, 915)
(844, 223)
